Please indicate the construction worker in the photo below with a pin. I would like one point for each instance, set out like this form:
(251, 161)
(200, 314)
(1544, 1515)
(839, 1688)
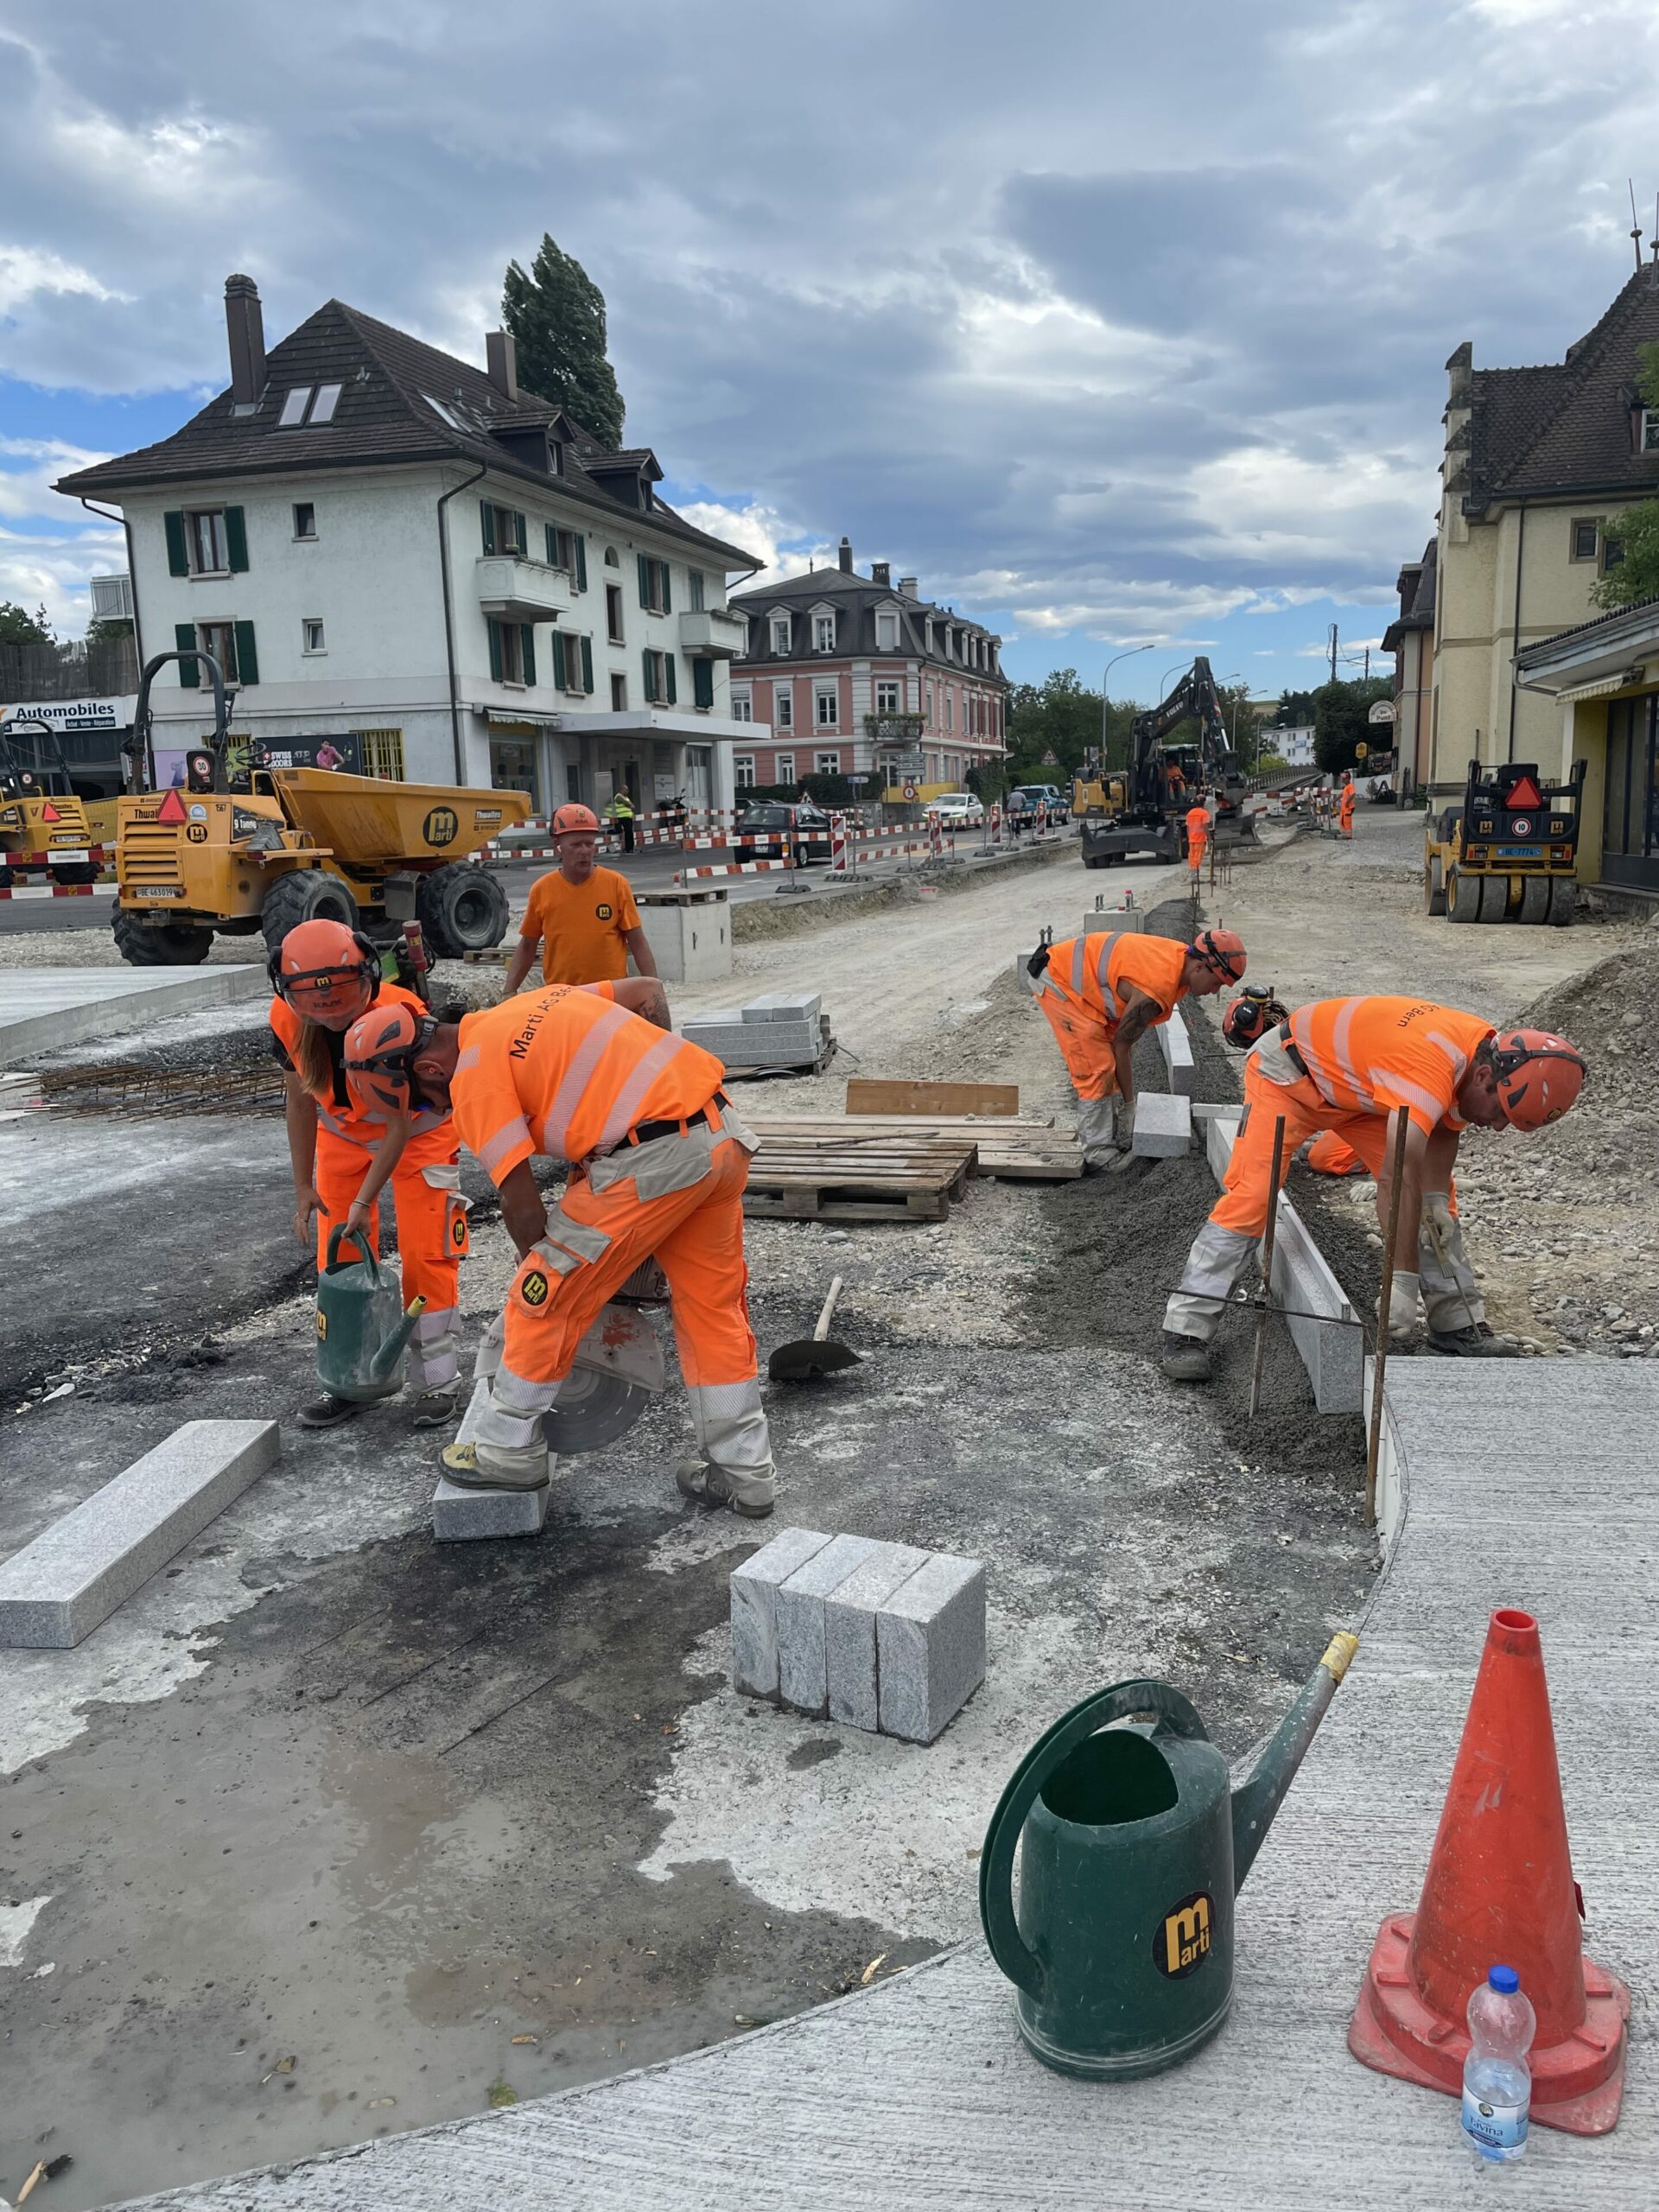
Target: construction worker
(1100, 995)
(1348, 1066)
(582, 915)
(1345, 810)
(658, 1164)
(1198, 840)
(619, 815)
(326, 978)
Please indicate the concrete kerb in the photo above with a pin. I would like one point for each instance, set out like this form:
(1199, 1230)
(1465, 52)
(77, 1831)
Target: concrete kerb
(42, 1009)
(1176, 1048)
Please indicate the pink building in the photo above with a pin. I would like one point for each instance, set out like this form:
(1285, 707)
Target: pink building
(850, 675)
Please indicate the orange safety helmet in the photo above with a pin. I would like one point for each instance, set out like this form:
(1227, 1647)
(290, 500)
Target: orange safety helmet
(1539, 1076)
(326, 972)
(1222, 950)
(574, 817)
(1248, 1018)
(380, 1048)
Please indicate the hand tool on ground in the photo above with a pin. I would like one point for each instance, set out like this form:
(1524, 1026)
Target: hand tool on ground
(1267, 1264)
(808, 1357)
(1380, 1361)
(617, 1370)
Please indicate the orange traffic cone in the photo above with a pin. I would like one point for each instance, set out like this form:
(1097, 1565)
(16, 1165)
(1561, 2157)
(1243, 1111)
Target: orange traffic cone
(1499, 1889)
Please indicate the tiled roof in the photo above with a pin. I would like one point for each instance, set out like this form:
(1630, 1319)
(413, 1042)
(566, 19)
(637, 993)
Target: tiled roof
(856, 599)
(400, 400)
(1543, 647)
(1566, 428)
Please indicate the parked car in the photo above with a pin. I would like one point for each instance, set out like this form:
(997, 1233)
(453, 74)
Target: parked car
(1023, 802)
(958, 809)
(800, 831)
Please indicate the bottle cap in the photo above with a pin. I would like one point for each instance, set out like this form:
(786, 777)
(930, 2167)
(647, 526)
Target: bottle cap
(1504, 1980)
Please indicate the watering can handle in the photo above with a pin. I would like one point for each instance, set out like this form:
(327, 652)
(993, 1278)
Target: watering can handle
(331, 1258)
(1176, 1717)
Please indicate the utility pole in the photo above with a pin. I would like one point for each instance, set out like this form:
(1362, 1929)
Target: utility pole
(1333, 652)
(1367, 664)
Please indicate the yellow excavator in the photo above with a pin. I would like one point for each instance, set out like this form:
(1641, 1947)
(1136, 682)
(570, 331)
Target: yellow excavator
(43, 824)
(208, 857)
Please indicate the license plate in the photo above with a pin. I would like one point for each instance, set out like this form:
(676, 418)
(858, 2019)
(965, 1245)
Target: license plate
(71, 853)
(1520, 852)
(158, 891)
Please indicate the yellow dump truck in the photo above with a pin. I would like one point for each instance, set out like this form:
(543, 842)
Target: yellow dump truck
(43, 825)
(297, 844)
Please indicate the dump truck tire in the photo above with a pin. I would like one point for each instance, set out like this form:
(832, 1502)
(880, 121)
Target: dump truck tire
(174, 944)
(1536, 897)
(308, 895)
(1563, 903)
(460, 909)
(77, 871)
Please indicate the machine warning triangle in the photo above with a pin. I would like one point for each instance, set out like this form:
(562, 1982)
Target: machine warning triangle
(171, 809)
(49, 813)
(1524, 792)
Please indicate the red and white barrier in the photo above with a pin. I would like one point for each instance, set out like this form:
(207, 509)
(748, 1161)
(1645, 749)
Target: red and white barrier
(730, 868)
(60, 891)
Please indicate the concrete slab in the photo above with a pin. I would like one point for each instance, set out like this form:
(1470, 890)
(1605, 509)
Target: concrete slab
(59, 1588)
(1175, 1047)
(850, 1632)
(1163, 1126)
(931, 1648)
(1274, 2114)
(803, 1666)
(43, 1008)
(754, 1587)
(459, 1515)
(1104, 919)
(784, 1005)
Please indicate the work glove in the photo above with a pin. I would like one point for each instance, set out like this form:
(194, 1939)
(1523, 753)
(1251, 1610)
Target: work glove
(1402, 1305)
(1440, 1221)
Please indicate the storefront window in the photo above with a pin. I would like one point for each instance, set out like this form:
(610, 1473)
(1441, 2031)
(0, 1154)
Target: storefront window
(512, 767)
(1630, 807)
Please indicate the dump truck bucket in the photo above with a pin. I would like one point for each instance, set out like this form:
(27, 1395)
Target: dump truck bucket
(375, 827)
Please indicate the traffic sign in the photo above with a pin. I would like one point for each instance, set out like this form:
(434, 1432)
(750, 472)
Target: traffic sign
(1361, 750)
(910, 791)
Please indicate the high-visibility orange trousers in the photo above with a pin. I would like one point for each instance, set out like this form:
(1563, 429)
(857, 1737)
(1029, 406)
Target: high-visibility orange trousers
(432, 1237)
(1331, 1155)
(1085, 1043)
(1195, 850)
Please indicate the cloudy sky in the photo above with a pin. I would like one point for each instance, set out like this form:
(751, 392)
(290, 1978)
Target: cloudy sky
(1116, 325)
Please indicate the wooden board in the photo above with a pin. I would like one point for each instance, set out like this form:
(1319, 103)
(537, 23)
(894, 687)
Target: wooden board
(865, 1094)
(869, 1176)
(1023, 1151)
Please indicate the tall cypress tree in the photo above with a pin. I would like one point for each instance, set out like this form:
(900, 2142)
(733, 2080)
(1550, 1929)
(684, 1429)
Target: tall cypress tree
(557, 316)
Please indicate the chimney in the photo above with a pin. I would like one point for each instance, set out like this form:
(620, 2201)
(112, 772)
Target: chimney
(844, 558)
(881, 573)
(502, 353)
(907, 587)
(244, 326)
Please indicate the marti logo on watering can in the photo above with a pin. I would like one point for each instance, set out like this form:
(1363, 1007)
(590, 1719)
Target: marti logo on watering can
(1182, 1944)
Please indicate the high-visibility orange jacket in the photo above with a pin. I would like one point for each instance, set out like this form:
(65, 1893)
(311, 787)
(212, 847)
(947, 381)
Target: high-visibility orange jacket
(568, 1072)
(1345, 804)
(1099, 972)
(1198, 825)
(1375, 1055)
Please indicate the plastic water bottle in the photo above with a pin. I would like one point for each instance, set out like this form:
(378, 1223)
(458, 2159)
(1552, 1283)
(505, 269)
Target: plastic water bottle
(1496, 2080)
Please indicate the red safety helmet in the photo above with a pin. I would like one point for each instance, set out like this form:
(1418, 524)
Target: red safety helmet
(1250, 1018)
(1222, 950)
(573, 819)
(1539, 1076)
(380, 1051)
(327, 972)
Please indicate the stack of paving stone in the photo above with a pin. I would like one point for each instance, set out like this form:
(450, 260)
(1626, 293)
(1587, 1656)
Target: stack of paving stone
(781, 1029)
(879, 1636)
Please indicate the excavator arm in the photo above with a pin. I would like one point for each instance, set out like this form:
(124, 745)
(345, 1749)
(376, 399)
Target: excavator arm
(1194, 697)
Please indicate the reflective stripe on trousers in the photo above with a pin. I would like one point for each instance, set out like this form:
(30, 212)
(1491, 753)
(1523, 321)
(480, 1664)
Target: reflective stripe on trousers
(1097, 1127)
(1218, 1263)
(1451, 1299)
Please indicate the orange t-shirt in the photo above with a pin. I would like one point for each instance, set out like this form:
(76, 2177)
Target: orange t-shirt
(1197, 824)
(583, 928)
(566, 1073)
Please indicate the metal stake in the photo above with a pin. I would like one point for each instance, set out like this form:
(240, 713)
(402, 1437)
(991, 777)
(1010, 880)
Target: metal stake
(1379, 1364)
(1267, 1265)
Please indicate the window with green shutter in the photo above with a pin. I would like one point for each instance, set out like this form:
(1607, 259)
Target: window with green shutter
(588, 664)
(668, 670)
(527, 649)
(486, 522)
(178, 560)
(184, 638)
(702, 682)
(649, 669)
(552, 537)
(494, 629)
(236, 539)
(560, 662)
(644, 584)
(247, 660)
(581, 567)
(668, 596)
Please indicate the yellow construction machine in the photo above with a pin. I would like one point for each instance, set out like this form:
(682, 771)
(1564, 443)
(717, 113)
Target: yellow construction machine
(43, 824)
(1509, 852)
(298, 844)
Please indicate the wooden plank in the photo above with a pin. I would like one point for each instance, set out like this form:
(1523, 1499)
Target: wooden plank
(1022, 1151)
(867, 1095)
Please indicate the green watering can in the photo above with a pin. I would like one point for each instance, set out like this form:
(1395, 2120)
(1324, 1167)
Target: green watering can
(362, 1330)
(1135, 1843)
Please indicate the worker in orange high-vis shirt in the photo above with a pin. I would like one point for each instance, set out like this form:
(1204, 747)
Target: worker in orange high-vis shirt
(582, 916)
(327, 976)
(1345, 810)
(1198, 840)
(1349, 1067)
(1100, 995)
(658, 1164)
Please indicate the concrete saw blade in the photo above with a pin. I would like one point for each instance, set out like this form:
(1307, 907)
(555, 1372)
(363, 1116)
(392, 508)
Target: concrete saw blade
(592, 1408)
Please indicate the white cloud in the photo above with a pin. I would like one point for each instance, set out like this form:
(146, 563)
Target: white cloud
(24, 271)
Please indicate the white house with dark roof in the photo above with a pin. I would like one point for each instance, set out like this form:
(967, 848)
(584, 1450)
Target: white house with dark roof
(435, 570)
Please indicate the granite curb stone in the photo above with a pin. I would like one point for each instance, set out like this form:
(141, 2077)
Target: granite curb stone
(850, 1633)
(930, 1647)
(754, 1587)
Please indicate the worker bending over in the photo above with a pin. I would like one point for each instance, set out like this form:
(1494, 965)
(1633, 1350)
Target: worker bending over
(1198, 840)
(327, 976)
(1346, 1067)
(1100, 995)
(582, 915)
(659, 1162)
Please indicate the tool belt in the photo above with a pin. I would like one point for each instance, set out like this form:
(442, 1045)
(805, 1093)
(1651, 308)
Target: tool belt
(646, 1131)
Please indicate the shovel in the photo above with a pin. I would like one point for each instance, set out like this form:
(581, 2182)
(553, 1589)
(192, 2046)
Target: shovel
(818, 1354)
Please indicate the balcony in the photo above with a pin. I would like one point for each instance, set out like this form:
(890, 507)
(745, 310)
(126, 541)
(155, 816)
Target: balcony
(712, 633)
(514, 590)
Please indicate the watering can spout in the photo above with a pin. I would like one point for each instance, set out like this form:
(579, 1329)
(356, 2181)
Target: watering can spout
(392, 1351)
(1259, 1796)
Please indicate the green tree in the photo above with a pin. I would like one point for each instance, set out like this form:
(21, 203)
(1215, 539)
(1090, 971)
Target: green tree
(19, 627)
(1059, 716)
(557, 316)
(1294, 710)
(1636, 534)
(105, 633)
(1339, 720)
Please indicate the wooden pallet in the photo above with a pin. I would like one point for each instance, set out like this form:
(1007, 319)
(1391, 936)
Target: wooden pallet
(869, 1176)
(1030, 1151)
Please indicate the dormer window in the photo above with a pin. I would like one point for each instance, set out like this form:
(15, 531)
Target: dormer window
(1650, 430)
(887, 634)
(309, 405)
(554, 458)
(781, 640)
(823, 633)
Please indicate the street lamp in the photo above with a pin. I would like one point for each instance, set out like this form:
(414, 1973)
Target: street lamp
(1128, 655)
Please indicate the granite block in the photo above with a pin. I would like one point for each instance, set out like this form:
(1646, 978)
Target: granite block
(1176, 1046)
(756, 1044)
(784, 1005)
(850, 1648)
(1107, 920)
(754, 1608)
(930, 1647)
(1163, 1125)
(459, 1515)
(803, 1672)
(57, 1590)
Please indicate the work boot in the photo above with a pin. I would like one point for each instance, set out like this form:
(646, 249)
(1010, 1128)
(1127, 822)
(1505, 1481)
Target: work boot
(435, 1408)
(1477, 1342)
(1121, 1162)
(752, 1496)
(328, 1412)
(1186, 1360)
(460, 1467)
